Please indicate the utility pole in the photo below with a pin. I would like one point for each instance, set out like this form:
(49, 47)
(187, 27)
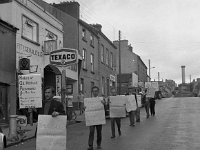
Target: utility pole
(119, 62)
(149, 71)
(158, 76)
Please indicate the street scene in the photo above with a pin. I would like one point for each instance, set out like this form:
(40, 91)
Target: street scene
(98, 74)
(175, 126)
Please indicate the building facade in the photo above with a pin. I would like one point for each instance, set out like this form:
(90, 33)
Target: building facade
(7, 71)
(39, 33)
(106, 61)
(133, 69)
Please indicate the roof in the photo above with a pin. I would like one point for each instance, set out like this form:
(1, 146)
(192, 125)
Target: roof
(6, 24)
(96, 32)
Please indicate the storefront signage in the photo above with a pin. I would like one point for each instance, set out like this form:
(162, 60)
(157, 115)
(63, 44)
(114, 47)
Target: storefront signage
(63, 57)
(21, 48)
(30, 91)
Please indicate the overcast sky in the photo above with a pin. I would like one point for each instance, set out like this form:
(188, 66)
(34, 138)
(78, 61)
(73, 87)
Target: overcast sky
(165, 31)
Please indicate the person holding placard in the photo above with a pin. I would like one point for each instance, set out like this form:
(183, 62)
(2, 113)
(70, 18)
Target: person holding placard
(146, 103)
(116, 120)
(131, 112)
(50, 106)
(95, 92)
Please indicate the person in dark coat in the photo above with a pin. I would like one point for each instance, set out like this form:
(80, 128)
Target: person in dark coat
(152, 106)
(50, 106)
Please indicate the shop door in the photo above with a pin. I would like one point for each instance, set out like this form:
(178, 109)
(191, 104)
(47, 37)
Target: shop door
(3, 104)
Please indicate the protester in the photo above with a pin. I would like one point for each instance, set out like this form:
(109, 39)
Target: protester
(132, 112)
(95, 92)
(50, 106)
(80, 101)
(146, 103)
(152, 106)
(115, 120)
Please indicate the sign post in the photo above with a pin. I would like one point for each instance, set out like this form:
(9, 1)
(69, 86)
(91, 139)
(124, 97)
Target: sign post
(63, 57)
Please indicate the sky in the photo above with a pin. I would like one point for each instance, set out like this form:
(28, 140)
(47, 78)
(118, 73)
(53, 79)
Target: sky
(165, 31)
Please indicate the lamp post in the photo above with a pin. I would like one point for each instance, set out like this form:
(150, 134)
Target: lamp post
(150, 69)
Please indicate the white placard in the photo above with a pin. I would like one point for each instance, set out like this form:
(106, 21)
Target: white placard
(117, 106)
(131, 103)
(151, 92)
(155, 85)
(30, 91)
(139, 100)
(51, 133)
(94, 112)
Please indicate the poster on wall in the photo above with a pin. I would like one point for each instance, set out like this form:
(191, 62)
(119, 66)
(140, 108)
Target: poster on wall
(117, 106)
(51, 133)
(94, 111)
(30, 91)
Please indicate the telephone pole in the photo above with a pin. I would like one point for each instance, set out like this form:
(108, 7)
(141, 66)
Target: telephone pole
(119, 62)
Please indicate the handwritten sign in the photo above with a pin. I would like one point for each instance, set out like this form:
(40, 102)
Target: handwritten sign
(30, 91)
(117, 106)
(139, 100)
(131, 103)
(94, 112)
(151, 92)
(51, 133)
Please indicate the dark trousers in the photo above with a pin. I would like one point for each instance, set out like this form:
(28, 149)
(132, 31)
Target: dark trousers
(138, 114)
(152, 107)
(147, 105)
(118, 122)
(132, 117)
(91, 135)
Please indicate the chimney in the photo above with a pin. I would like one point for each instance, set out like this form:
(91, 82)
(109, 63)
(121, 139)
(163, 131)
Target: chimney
(71, 8)
(183, 74)
(97, 26)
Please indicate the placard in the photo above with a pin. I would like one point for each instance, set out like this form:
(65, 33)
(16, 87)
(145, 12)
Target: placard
(151, 92)
(131, 103)
(139, 100)
(30, 91)
(94, 112)
(117, 106)
(51, 133)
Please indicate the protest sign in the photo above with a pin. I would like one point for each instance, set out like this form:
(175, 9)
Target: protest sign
(139, 100)
(117, 106)
(51, 133)
(131, 103)
(94, 112)
(151, 92)
(30, 91)
(155, 85)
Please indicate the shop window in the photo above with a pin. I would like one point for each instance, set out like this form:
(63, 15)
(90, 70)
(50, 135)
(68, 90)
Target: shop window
(92, 62)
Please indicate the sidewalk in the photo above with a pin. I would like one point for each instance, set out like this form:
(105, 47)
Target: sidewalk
(31, 129)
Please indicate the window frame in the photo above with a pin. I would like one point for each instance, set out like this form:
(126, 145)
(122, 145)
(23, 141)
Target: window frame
(84, 56)
(92, 62)
(30, 23)
(102, 53)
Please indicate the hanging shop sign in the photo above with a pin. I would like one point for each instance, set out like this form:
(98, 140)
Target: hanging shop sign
(63, 57)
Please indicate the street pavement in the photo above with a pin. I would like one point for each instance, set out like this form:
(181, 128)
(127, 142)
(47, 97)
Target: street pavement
(174, 127)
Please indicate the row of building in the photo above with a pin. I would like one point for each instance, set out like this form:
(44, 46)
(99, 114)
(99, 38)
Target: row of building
(31, 29)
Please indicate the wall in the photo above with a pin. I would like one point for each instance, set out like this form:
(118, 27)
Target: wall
(8, 65)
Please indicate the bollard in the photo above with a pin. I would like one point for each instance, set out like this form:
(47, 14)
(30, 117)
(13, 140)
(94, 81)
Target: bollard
(2, 141)
(12, 128)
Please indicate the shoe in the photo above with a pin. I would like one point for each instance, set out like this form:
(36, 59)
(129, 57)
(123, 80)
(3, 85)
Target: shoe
(112, 137)
(90, 148)
(132, 125)
(138, 120)
(98, 147)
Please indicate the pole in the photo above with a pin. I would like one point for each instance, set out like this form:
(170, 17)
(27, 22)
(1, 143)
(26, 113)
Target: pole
(63, 88)
(158, 76)
(149, 71)
(119, 62)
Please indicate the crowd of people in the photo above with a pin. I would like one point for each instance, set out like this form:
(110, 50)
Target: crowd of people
(55, 108)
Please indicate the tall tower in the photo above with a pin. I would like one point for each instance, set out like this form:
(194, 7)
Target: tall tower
(183, 74)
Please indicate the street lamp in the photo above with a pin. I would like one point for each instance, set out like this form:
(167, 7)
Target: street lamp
(150, 70)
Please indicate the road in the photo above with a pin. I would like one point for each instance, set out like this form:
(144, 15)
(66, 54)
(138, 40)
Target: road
(174, 127)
